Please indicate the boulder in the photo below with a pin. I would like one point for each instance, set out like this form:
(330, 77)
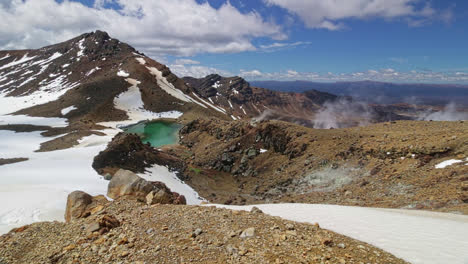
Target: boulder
(125, 182)
(77, 203)
(159, 197)
(81, 204)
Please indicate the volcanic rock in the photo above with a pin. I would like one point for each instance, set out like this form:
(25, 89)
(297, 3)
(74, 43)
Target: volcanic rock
(77, 203)
(126, 151)
(127, 183)
(81, 204)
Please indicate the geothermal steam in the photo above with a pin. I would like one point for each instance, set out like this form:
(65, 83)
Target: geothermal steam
(343, 113)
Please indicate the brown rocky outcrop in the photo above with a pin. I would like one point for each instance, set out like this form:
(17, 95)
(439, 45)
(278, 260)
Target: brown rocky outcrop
(81, 205)
(126, 151)
(127, 183)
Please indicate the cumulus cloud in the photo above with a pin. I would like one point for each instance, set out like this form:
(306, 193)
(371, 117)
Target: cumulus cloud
(177, 27)
(328, 14)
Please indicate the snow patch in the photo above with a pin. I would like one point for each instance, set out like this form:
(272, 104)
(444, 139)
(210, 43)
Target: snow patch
(169, 88)
(32, 78)
(230, 104)
(446, 163)
(65, 65)
(122, 73)
(130, 101)
(67, 110)
(141, 60)
(33, 120)
(243, 110)
(80, 52)
(263, 150)
(49, 92)
(92, 71)
(216, 85)
(219, 109)
(5, 57)
(24, 59)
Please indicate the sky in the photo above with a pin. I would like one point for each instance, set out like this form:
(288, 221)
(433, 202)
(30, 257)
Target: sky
(423, 41)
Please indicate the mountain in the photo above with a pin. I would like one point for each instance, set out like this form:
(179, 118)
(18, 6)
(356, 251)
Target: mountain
(88, 73)
(243, 100)
(380, 92)
(93, 81)
(307, 108)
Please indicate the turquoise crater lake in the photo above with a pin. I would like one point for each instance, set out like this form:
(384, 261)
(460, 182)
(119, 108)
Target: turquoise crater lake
(158, 133)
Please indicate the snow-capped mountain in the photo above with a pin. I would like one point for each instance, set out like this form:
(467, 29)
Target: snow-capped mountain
(90, 79)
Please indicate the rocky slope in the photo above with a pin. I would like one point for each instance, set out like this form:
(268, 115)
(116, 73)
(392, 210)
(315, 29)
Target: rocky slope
(384, 165)
(128, 231)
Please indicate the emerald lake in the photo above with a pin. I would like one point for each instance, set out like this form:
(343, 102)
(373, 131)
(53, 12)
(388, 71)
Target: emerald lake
(157, 133)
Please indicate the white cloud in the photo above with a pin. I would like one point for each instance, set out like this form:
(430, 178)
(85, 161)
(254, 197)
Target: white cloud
(292, 74)
(327, 14)
(186, 62)
(281, 45)
(197, 71)
(178, 27)
(384, 75)
(251, 74)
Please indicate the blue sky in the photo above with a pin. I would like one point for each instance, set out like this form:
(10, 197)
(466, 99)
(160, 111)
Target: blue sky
(372, 43)
(317, 40)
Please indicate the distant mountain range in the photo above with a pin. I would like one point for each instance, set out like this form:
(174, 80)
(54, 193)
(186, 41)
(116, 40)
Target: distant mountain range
(379, 92)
